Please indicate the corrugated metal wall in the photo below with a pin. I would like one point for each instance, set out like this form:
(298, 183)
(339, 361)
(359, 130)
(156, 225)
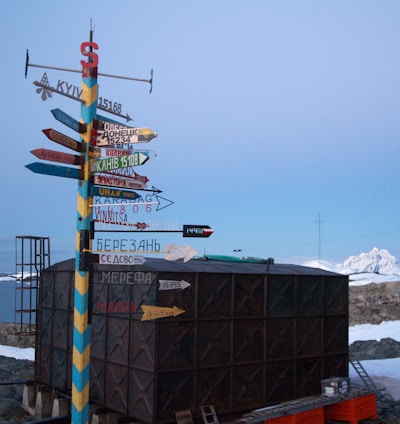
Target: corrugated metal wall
(244, 342)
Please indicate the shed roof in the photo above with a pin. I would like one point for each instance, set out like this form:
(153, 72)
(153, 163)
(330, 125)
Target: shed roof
(207, 265)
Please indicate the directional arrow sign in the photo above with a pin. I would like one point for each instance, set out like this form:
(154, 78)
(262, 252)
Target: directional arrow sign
(115, 193)
(56, 170)
(64, 140)
(120, 259)
(118, 182)
(107, 133)
(155, 312)
(174, 252)
(55, 156)
(173, 284)
(118, 162)
(69, 121)
(197, 231)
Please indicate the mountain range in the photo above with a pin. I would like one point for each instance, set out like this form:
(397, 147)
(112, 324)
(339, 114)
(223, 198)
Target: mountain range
(376, 266)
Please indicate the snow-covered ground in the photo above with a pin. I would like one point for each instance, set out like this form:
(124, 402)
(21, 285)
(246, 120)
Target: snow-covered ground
(383, 372)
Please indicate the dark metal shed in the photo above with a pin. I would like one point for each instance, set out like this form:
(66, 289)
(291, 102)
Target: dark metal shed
(251, 335)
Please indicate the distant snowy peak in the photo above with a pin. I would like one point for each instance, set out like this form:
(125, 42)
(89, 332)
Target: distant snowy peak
(377, 261)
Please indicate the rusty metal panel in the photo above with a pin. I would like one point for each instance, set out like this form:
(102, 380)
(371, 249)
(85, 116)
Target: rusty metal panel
(280, 381)
(214, 296)
(248, 340)
(116, 387)
(335, 365)
(141, 399)
(176, 346)
(309, 336)
(213, 387)
(61, 322)
(336, 297)
(249, 296)
(336, 334)
(117, 350)
(59, 369)
(281, 296)
(62, 291)
(142, 348)
(214, 343)
(248, 386)
(308, 377)
(175, 390)
(97, 381)
(308, 295)
(280, 338)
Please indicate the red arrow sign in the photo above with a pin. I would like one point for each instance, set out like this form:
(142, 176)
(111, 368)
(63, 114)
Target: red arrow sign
(55, 156)
(64, 140)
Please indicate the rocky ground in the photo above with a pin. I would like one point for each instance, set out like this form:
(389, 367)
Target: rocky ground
(368, 304)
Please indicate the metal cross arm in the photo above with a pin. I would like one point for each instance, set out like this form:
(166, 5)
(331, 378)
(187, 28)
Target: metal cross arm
(27, 64)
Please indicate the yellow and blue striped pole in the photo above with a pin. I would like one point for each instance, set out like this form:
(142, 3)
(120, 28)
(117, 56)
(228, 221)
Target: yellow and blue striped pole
(81, 336)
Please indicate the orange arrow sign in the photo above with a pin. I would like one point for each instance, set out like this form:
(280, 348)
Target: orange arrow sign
(155, 312)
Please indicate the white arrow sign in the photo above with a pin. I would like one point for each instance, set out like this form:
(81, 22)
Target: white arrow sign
(173, 284)
(120, 259)
(174, 252)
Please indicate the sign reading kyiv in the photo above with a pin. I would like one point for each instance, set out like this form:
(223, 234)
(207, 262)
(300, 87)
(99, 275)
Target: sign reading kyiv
(118, 162)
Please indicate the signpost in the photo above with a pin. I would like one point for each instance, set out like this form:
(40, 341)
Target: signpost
(114, 193)
(101, 131)
(174, 252)
(55, 170)
(173, 284)
(64, 140)
(155, 312)
(197, 231)
(55, 156)
(107, 133)
(69, 121)
(118, 162)
(120, 259)
(118, 182)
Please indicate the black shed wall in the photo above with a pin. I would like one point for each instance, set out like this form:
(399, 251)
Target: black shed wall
(248, 338)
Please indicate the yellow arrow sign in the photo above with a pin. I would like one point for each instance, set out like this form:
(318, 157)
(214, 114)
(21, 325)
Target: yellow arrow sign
(155, 312)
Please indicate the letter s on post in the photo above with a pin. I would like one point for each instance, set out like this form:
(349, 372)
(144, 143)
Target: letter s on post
(93, 56)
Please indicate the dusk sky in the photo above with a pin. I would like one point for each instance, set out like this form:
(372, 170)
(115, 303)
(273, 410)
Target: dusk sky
(271, 116)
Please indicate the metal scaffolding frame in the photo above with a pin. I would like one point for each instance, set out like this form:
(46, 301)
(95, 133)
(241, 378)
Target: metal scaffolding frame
(32, 256)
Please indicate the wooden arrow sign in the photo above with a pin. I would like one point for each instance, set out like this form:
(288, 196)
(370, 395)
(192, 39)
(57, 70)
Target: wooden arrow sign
(155, 312)
(69, 121)
(118, 162)
(64, 140)
(55, 170)
(55, 156)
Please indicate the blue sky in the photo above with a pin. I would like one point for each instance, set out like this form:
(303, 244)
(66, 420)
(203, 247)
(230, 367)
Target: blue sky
(270, 114)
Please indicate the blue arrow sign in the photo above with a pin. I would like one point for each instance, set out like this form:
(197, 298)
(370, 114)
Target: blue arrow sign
(55, 170)
(68, 121)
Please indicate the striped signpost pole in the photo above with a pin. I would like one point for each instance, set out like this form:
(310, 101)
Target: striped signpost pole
(81, 335)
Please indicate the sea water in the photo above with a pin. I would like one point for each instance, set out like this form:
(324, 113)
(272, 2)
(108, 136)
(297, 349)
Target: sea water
(11, 300)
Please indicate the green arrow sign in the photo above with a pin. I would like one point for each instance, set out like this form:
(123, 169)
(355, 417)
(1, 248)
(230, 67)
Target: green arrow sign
(109, 164)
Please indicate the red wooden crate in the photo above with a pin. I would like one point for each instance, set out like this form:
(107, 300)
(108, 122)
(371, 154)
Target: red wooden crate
(352, 410)
(313, 416)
